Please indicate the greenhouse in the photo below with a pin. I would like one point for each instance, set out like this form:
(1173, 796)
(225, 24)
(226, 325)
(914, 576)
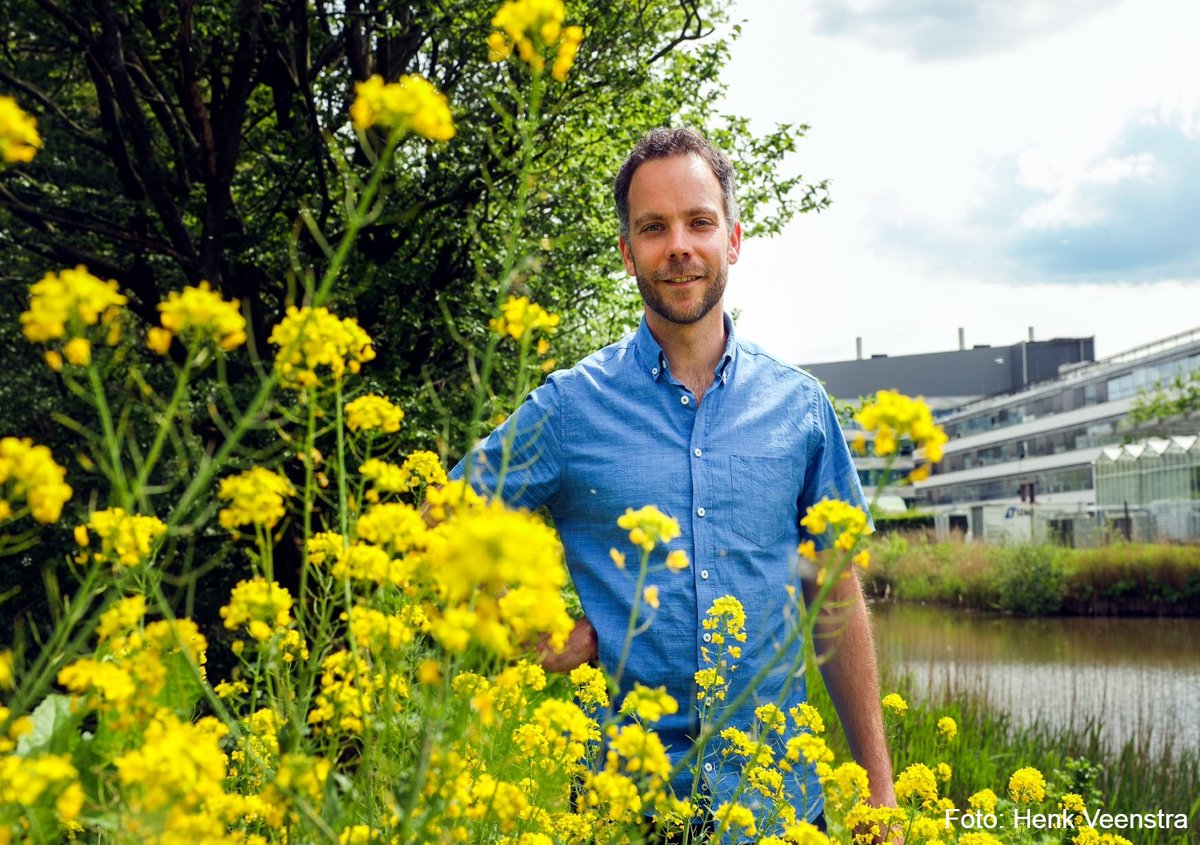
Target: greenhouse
(1152, 470)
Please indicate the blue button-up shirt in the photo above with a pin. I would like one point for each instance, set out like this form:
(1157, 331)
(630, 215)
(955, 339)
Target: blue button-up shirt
(736, 470)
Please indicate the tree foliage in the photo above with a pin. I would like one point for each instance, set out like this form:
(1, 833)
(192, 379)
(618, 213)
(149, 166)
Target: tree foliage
(191, 141)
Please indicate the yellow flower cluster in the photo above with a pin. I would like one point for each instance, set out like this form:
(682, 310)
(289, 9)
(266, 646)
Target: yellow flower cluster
(256, 497)
(375, 630)
(648, 526)
(126, 539)
(519, 316)
(19, 139)
(947, 729)
(411, 104)
(531, 26)
(591, 687)
(895, 703)
(199, 312)
(47, 780)
(29, 475)
(648, 705)
(844, 520)
(309, 338)
(917, 784)
(373, 413)
(394, 526)
(64, 305)
(1027, 785)
(499, 574)
(263, 607)
(893, 416)
(352, 691)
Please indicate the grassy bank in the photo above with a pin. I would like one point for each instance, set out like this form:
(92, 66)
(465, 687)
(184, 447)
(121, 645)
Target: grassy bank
(1122, 579)
(990, 746)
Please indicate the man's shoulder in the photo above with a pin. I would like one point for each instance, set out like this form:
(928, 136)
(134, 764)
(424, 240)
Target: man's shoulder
(600, 366)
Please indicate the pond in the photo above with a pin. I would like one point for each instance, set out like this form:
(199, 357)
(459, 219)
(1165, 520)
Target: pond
(1138, 678)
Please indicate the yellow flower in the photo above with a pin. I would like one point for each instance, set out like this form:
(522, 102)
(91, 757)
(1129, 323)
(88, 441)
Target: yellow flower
(258, 601)
(591, 688)
(650, 596)
(733, 815)
(984, 800)
(947, 728)
(1027, 786)
(649, 705)
(894, 702)
(892, 415)
(677, 560)
(529, 27)
(518, 315)
(124, 615)
(78, 351)
(836, 517)
(19, 139)
(944, 772)
(28, 473)
(309, 338)
(256, 497)
(158, 340)
(126, 539)
(411, 104)
(69, 301)
(917, 782)
(199, 312)
(648, 526)
(395, 526)
(373, 412)
(6, 669)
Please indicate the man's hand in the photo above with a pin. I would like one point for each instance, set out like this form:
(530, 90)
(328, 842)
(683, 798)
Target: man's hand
(581, 647)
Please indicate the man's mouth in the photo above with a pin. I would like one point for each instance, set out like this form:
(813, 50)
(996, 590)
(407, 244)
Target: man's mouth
(681, 280)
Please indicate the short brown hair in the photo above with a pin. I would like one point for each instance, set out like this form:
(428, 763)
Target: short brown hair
(665, 143)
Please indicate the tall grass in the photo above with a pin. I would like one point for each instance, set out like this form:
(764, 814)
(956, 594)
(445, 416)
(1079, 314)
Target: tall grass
(1137, 777)
(1037, 579)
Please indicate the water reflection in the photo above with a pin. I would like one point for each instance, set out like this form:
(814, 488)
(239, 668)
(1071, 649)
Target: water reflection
(1137, 677)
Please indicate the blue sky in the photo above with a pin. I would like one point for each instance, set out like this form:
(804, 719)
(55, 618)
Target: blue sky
(994, 166)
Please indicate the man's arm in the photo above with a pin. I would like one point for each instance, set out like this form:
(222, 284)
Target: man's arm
(581, 647)
(846, 654)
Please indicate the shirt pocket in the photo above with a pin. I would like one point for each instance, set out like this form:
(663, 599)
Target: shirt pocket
(765, 492)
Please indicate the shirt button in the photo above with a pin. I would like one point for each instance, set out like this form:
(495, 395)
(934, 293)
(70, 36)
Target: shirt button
(707, 638)
(708, 767)
(699, 511)
(697, 452)
(704, 574)
(654, 372)
(683, 400)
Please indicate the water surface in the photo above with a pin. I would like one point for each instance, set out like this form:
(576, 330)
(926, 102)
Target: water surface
(1137, 677)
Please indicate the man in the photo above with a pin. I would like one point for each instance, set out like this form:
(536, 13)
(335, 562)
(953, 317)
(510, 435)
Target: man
(719, 435)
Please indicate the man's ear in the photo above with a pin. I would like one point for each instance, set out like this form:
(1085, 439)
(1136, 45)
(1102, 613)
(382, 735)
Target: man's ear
(735, 243)
(627, 256)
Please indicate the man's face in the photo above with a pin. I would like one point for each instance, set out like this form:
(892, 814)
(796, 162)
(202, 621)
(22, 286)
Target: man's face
(679, 245)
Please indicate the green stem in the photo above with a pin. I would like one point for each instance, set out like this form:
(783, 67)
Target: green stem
(111, 441)
(164, 428)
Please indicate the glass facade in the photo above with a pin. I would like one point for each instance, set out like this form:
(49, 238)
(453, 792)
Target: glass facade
(1148, 472)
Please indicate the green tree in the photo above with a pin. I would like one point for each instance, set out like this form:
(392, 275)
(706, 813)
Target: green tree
(210, 141)
(188, 141)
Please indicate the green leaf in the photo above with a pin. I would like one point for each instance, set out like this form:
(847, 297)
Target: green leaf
(55, 728)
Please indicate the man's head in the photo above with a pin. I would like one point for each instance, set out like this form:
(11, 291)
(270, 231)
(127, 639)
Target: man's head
(664, 143)
(679, 225)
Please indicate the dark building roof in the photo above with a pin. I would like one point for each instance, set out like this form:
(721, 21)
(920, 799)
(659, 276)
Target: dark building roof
(980, 371)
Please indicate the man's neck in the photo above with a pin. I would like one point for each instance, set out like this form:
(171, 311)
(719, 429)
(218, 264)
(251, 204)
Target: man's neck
(692, 350)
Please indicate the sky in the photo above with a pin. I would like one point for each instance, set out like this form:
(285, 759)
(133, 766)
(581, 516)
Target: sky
(994, 165)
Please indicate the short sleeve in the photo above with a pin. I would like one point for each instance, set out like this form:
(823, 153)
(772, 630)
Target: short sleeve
(831, 473)
(530, 436)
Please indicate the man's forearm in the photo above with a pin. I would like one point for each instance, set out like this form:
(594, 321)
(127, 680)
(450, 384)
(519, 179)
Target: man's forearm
(846, 654)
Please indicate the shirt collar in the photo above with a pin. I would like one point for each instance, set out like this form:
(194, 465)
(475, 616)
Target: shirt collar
(650, 355)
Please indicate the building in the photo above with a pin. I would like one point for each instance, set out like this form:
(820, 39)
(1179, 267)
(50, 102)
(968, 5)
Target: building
(1025, 462)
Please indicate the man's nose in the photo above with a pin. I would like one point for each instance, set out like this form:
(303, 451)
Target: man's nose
(679, 243)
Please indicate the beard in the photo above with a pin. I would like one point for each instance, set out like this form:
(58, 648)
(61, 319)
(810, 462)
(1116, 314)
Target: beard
(681, 314)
